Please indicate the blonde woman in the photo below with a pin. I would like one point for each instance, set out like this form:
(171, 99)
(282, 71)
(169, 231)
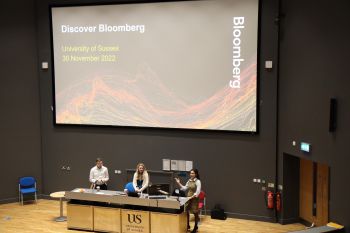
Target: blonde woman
(141, 178)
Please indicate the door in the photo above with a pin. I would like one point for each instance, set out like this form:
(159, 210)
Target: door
(322, 194)
(306, 190)
(314, 192)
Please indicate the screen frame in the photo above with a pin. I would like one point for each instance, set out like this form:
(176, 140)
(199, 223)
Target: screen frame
(123, 2)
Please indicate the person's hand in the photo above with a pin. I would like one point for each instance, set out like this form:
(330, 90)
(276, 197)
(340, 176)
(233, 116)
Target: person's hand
(137, 190)
(177, 180)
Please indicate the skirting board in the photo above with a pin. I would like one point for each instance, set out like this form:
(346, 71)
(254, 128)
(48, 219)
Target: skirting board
(15, 199)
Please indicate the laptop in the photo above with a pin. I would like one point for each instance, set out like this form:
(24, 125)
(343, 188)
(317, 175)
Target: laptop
(158, 189)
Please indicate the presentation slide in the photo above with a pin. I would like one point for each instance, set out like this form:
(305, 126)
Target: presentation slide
(186, 64)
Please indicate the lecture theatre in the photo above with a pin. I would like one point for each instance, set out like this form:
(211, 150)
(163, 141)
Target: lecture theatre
(174, 116)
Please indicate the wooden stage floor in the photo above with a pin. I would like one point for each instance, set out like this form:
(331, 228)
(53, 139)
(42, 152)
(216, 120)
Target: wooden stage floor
(39, 218)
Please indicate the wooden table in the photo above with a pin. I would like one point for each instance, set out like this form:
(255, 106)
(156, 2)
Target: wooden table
(59, 195)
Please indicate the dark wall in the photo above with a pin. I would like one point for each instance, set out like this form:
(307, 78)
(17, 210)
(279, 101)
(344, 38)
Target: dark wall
(19, 97)
(315, 52)
(227, 161)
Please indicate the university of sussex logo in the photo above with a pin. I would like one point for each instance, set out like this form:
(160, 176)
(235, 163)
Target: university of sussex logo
(134, 218)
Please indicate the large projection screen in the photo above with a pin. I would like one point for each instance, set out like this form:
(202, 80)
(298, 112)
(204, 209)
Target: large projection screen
(185, 64)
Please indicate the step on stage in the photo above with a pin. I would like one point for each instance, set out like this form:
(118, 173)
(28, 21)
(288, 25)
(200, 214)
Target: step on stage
(330, 227)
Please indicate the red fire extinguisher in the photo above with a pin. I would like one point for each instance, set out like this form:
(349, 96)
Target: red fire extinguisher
(278, 201)
(270, 200)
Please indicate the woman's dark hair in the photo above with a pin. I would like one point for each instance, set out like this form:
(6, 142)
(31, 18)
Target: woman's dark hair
(196, 172)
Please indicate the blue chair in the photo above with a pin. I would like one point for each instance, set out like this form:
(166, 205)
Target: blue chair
(129, 188)
(27, 185)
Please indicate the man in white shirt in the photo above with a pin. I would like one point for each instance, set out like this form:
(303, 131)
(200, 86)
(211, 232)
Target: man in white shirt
(99, 175)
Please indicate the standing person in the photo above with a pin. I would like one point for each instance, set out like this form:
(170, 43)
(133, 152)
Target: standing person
(99, 175)
(193, 187)
(141, 178)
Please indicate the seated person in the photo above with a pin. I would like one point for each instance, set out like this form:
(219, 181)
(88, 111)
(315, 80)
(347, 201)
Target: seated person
(99, 175)
(140, 180)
